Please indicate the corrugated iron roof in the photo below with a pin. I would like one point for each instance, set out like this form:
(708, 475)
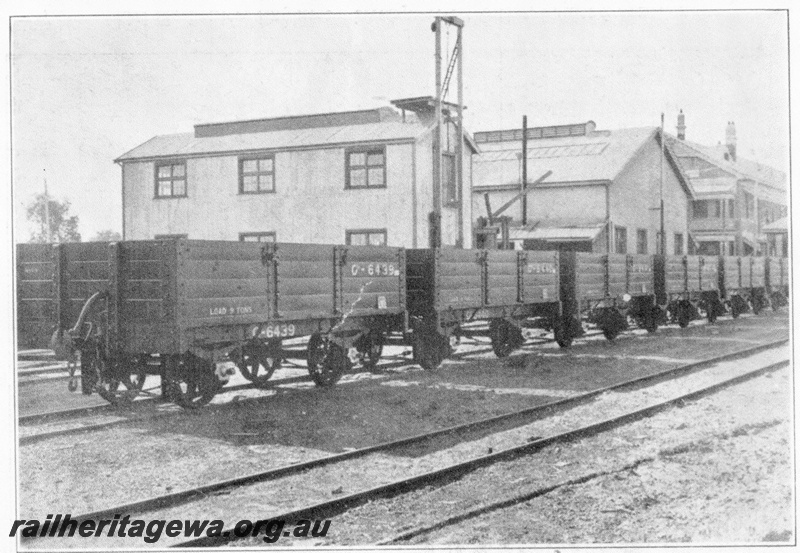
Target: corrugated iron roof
(187, 144)
(597, 156)
(741, 168)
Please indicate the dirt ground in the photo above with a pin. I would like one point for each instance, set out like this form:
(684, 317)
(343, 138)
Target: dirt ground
(716, 471)
(298, 422)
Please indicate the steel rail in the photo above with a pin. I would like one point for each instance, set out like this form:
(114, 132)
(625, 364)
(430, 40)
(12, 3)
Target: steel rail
(326, 509)
(111, 409)
(538, 492)
(529, 414)
(33, 418)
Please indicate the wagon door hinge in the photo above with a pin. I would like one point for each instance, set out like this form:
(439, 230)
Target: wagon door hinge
(482, 258)
(522, 261)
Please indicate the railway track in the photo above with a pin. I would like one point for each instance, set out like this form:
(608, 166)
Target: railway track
(138, 407)
(517, 418)
(327, 509)
(396, 361)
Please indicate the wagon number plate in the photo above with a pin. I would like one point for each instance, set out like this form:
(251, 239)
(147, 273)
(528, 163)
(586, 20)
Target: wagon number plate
(275, 331)
(374, 269)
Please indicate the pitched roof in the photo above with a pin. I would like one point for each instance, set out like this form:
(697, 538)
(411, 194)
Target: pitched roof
(596, 156)
(741, 168)
(378, 125)
(187, 144)
(774, 181)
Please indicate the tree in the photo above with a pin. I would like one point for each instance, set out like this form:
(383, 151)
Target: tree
(63, 227)
(107, 236)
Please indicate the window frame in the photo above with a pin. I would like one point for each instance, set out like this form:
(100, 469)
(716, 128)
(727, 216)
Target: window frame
(367, 151)
(451, 158)
(677, 239)
(242, 175)
(617, 241)
(639, 233)
(156, 180)
(348, 233)
(260, 234)
(697, 213)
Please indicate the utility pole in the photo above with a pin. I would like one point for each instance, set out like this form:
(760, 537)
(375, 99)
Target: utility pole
(48, 233)
(460, 142)
(663, 237)
(442, 86)
(524, 183)
(436, 221)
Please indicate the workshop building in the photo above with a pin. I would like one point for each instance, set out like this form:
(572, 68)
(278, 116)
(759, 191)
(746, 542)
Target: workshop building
(602, 194)
(359, 177)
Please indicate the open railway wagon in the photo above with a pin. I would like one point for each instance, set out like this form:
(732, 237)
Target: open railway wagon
(35, 295)
(608, 290)
(742, 287)
(512, 290)
(178, 308)
(778, 281)
(686, 285)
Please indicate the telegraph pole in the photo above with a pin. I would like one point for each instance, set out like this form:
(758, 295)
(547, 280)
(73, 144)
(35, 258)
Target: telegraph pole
(663, 237)
(48, 233)
(524, 169)
(442, 86)
(436, 222)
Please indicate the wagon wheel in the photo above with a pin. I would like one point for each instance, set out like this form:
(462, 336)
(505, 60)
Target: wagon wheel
(118, 389)
(257, 365)
(430, 350)
(738, 306)
(193, 383)
(327, 361)
(684, 315)
(758, 303)
(505, 337)
(612, 324)
(370, 346)
(712, 309)
(651, 319)
(562, 331)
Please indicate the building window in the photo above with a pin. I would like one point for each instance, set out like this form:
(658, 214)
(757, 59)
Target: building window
(641, 241)
(257, 236)
(365, 237)
(678, 243)
(170, 236)
(257, 175)
(171, 180)
(449, 181)
(706, 209)
(749, 206)
(366, 168)
(699, 209)
(730, 208)
(621, 239)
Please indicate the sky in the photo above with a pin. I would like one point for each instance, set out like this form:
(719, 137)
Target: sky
(85, 90)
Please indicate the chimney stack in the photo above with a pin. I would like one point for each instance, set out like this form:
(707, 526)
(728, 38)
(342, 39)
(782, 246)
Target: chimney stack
(681, 126)
(730, 140)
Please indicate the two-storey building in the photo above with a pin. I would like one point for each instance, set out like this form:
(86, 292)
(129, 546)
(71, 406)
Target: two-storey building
(735, 198)
(359, 177)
